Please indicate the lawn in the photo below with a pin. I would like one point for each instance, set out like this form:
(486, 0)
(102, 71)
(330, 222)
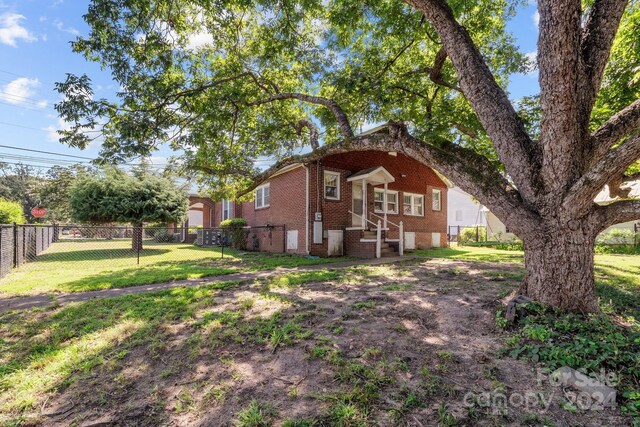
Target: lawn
(617, 276)
(389, 345)
(86, 265)
(415, 343)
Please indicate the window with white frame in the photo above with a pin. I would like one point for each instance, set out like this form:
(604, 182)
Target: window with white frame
(392, 201)
(436, 200)
(262, 196)
(413, 204)
(226, 209)
(331, 185)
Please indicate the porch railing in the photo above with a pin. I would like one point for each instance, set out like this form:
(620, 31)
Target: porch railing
(378, 232)
(400, 231)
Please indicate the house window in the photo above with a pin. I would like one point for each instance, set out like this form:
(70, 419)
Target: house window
(262, 196)
(332, 185)
(226, 209)
(413, 204)
(392, 201)
(436, 200)
(458, 215)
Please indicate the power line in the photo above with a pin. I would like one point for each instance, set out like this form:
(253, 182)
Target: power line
(45, 152)
(23, 127)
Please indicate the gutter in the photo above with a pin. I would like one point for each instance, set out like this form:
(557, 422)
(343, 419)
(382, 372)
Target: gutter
(306, 221)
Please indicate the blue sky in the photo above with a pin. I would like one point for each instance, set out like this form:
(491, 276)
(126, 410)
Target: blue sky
(35, 53)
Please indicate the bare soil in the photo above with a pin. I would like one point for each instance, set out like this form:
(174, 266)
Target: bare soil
(429, 325)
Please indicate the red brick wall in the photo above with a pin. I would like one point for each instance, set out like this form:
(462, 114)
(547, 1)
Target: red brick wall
(286, 205)
(410, 176)
(287, 199)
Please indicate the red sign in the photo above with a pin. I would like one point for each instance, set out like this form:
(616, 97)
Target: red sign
(39, 212)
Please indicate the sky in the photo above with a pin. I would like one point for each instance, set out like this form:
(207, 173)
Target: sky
(35, 53)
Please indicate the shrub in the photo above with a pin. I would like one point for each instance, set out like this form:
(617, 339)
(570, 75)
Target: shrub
(234, 223)
(236, 231)
(473, 234)
(11, 212)
(618, 237)
(163, 236)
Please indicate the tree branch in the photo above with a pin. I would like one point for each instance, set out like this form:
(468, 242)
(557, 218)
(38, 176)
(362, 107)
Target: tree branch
(614, 163)
(614, 129)
(617, 212)
(599, 32)
(313, 131)
(472, 172)
(338, 112)
(517, 151)
(562, 124)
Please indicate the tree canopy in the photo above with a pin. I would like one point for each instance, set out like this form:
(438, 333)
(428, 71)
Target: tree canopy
(272, 77)
(115, 196)
(11, 212)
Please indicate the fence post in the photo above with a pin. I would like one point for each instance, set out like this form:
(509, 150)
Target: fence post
(284, 239)
(15, 245)
(401, 241)
(477, 233)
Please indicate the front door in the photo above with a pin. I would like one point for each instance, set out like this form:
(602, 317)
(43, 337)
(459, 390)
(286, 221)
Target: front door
(356, 204)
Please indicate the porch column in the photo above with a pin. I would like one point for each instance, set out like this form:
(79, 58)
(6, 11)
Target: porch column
(378, 241)
(385, 205)
(364, 203)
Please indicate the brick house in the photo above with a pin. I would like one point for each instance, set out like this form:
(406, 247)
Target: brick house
(332, 206)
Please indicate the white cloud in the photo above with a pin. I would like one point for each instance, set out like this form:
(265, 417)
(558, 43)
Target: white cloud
(11, 31)
(20, 91)
(52, 130)
(536, 18)
(531, 56)
(60, 26)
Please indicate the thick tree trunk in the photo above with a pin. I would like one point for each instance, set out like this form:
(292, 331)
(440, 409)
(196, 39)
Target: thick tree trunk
(136, 240)
(559, 269)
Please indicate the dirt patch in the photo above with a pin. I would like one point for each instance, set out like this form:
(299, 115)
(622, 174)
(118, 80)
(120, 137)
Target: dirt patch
(411, 345)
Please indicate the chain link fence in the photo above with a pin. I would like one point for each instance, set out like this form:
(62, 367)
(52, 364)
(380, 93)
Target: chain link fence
(82, 246)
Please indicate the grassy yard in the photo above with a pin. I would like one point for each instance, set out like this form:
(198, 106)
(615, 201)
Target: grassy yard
(86, 265)
(402, 344)
(617, 276)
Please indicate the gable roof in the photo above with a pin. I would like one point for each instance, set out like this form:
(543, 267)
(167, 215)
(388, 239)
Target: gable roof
(370, 173)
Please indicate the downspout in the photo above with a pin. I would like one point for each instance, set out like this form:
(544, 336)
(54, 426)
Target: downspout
(306, 222)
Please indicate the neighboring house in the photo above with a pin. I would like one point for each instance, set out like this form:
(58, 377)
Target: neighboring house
(332, 206)
(603, 198)
(496, 230)
(463, 209)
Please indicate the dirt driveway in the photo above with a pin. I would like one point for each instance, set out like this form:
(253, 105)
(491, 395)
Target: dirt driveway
(412, 344)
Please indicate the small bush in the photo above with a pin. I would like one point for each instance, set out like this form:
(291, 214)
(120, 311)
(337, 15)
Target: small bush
(233, 223)
(11, 212)
(618, 237)
(473, 234)
(236, 231)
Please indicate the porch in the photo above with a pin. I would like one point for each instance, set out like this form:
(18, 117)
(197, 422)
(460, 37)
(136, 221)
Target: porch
(371, 232)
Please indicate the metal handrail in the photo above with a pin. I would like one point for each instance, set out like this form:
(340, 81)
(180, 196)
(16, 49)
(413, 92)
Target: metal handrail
(382, 218)
(361, 217)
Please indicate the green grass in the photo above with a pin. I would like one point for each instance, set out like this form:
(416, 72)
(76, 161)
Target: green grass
(617, 276)
(87, 265)
(43, 351)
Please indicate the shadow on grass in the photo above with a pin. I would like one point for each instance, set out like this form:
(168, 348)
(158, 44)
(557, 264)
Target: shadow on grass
(470, 255)
(165, 271)
(42, 352)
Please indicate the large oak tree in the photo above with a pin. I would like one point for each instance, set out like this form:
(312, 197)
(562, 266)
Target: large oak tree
(227, 82)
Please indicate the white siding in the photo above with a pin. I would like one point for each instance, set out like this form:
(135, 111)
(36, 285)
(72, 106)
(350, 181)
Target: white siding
(462, 209)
